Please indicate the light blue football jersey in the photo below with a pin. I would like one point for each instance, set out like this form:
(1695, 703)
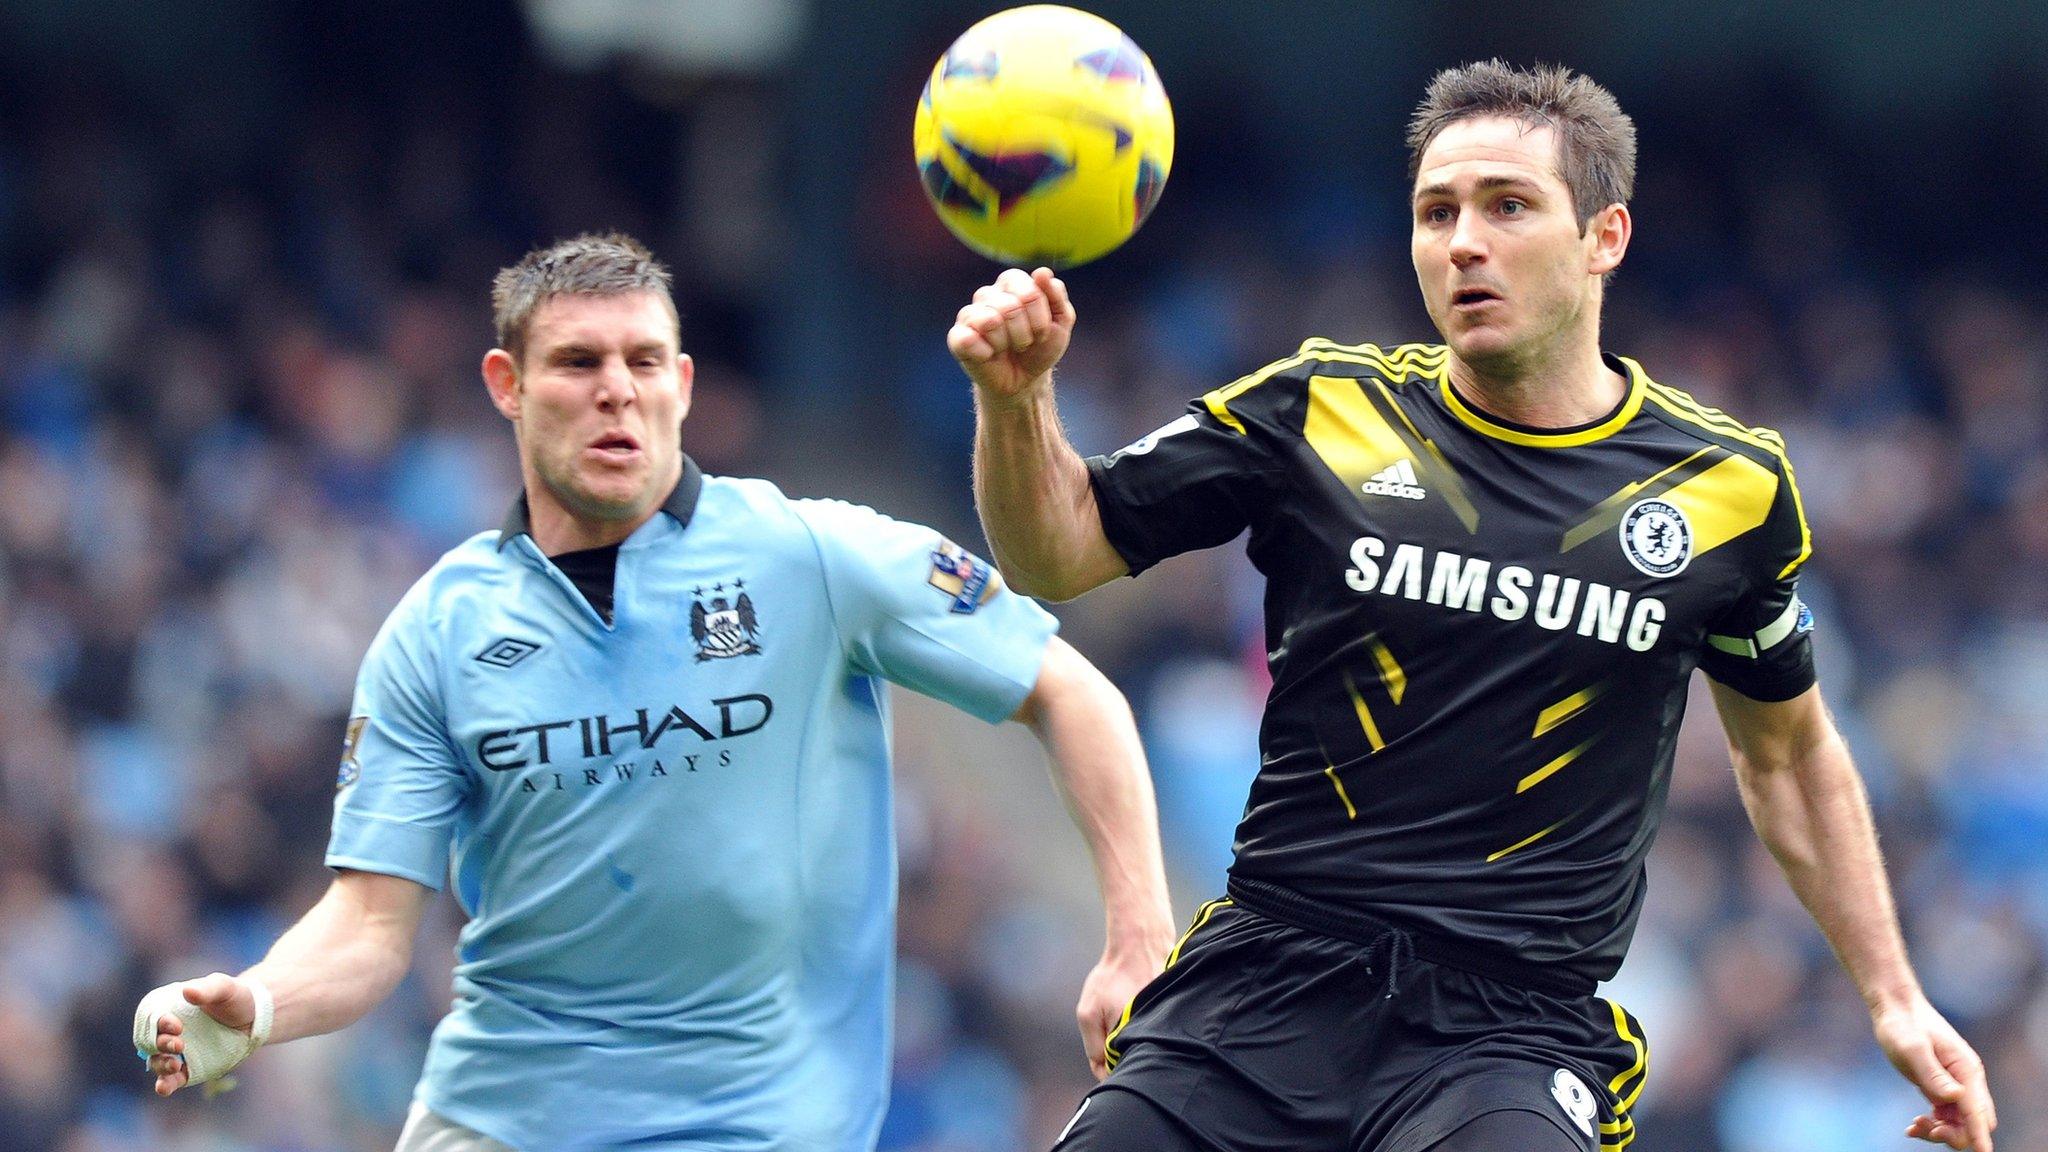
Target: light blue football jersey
(672, 832)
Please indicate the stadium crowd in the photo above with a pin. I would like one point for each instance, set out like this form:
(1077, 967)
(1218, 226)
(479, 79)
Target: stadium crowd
(238, 417)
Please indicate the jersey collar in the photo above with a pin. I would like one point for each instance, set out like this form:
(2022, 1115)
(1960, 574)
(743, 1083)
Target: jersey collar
(680, 505)
(1601, 429)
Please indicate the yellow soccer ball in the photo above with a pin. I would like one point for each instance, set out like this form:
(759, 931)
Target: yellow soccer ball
(1044, 136)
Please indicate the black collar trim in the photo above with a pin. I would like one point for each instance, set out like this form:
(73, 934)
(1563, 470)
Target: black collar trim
(680, 505)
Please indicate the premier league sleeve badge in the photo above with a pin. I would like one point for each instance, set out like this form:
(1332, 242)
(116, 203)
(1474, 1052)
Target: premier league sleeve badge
(961, 575)
(351, 740)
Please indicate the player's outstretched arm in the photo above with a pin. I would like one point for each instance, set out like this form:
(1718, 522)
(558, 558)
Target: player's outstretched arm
(1029, 484)
(1807, 801)
(1086, 727)
(340, 960)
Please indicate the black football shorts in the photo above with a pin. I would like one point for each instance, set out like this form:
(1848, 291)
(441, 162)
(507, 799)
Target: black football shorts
(1263, 1035)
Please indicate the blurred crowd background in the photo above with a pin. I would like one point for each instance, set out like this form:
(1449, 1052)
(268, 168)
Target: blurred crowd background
(244, 251)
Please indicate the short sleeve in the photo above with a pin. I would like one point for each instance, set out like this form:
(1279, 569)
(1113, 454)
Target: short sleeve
(919, 610)
(1194, 483)
(1763, 645)
(401, 783)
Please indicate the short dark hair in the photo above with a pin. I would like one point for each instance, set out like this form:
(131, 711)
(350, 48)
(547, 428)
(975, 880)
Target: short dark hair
(1596, 141)
(593, 264)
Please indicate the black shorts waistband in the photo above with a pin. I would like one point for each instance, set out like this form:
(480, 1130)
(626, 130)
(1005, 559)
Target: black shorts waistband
(1296, 910)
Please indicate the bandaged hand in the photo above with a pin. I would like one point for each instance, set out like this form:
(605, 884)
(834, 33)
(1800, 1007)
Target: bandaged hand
(195, 1031)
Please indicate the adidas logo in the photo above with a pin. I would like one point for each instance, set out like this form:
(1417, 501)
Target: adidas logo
(1395, 480)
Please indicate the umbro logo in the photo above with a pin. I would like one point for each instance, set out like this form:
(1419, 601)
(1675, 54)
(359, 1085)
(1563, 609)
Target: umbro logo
(506, 652)
(1396, 479)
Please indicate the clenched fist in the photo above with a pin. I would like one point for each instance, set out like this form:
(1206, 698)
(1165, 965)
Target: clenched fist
(1016, 329)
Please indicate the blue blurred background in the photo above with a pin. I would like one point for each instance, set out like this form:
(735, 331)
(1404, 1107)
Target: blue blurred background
(244, 250)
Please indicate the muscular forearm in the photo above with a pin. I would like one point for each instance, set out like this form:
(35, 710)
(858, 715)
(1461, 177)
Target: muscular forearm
(343, 957)
(1813, 815)
(1036, 504)
(1807, 802)
(1099, 767)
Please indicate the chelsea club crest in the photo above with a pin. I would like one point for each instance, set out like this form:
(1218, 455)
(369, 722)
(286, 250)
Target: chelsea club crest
(1656, 538)
(724, 628)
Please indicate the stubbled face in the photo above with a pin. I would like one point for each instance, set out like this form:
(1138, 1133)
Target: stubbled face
(599, 398)
(1504, 267)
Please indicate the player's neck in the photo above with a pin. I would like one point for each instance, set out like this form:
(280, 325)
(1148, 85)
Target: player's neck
(555, 529)
(1563, 391)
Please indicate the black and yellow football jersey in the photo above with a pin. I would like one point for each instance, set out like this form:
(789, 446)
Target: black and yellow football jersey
(1480, 634)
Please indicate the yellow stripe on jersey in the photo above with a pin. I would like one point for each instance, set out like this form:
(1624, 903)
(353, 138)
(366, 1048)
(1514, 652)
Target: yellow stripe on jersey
(1679, 400)
(1686, 408)
(1799, 510)
(1367, 348)
(1218, 400)
(1350, 810)
(1399, 365)
(1631, 404)
(1552, 768)
(1603, 517)
(1518, 845)
(1408, 361)
(1725, 501)
(1391, 674)
(1372, 730)
(1356, 428)
(1311, 352)
(1349, 417)
(1565, 709)
(1436, 469)
(1348, 432)
(1396, 682)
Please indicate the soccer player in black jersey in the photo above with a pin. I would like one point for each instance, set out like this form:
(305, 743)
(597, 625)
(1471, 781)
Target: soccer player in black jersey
(1492, 565)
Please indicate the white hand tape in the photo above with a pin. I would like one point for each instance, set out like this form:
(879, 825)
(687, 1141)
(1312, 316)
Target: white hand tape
(212, 1048)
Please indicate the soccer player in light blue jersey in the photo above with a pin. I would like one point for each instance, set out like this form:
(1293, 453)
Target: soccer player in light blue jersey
(643, 726)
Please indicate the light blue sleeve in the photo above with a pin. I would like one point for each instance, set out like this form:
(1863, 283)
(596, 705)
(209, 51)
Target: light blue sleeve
(920, 611)
(401, 784)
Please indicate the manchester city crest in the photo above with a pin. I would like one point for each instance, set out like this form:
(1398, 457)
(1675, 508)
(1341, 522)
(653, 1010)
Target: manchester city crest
(724, 628)
(1656, 538)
